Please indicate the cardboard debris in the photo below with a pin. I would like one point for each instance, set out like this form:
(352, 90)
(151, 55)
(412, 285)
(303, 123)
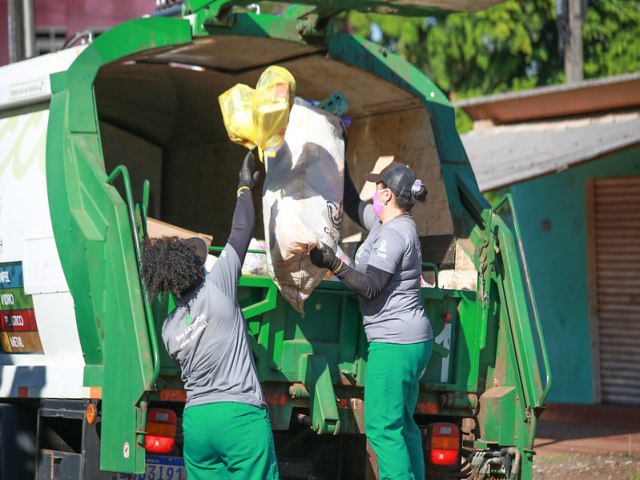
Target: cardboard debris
(369, 188)
(158, 228)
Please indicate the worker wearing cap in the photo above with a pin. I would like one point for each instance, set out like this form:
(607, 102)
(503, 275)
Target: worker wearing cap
(387, 273)
(227, 433)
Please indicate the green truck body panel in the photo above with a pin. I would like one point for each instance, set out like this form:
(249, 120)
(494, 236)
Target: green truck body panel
(93, 233)
(489, 355)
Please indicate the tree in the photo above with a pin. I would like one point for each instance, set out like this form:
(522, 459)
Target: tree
(611, 38)
(511, 46)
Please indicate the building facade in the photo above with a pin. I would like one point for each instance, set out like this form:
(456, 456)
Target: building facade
(57, 21)
(570, 157)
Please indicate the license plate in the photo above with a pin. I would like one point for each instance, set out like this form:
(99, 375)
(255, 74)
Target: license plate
(160, 468)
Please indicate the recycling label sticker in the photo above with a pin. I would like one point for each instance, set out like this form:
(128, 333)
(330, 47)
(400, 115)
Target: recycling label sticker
(18, 326)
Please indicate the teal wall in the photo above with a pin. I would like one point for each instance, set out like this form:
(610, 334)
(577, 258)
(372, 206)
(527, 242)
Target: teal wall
(557, 260)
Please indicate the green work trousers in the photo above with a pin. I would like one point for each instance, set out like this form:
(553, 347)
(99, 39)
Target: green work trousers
(391, 394)
(228, 440)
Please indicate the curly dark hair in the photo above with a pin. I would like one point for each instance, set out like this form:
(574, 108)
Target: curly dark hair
(170, 265)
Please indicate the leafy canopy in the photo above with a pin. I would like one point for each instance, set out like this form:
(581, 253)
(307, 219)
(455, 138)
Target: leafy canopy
(512, 46)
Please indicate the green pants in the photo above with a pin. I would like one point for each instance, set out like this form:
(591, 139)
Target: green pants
(228, 440)
(391, 394)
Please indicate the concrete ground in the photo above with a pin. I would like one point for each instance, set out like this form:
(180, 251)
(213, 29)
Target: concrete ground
(578, 442)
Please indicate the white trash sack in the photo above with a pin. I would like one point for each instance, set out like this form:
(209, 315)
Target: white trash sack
(302, 200)
(255, 263)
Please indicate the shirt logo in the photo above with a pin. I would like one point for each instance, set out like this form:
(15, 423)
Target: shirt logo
(192, 331)
(382, 249)
(188, 320)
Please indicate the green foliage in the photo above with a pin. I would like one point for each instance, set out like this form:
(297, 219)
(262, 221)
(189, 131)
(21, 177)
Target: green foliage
(611, 38)
(464, 123)
(499, 49)
(494, 196)
(512, 46)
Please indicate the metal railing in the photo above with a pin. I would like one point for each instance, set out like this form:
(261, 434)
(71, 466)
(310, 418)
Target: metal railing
(122, 171)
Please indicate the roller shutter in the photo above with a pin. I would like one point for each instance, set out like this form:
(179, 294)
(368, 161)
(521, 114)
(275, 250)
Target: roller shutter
(616, 224)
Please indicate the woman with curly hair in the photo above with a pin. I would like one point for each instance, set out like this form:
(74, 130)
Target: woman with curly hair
(388, 268)
(227, 433)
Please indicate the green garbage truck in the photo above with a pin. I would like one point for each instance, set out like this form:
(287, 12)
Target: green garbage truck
(97, 140)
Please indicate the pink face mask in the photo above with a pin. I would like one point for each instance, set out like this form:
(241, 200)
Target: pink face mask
(377, 206)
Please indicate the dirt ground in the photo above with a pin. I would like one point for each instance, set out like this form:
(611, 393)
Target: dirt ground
(583, 443)
(584, 466)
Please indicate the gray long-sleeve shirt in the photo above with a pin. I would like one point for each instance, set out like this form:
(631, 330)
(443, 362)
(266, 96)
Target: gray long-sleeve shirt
(397, 314)
(206, 334)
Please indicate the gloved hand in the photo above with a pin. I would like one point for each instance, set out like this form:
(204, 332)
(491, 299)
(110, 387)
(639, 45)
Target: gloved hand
(324, 257)
(248, 175)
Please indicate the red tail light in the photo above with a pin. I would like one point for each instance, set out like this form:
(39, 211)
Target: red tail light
(161, 430)
(444, 444)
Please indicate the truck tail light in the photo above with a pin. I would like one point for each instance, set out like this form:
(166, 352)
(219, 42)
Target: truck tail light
(161, 430)
(444, 444)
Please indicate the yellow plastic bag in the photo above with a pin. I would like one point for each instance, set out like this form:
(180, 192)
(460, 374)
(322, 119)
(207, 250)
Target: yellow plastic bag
(259, 117)
(236, 105)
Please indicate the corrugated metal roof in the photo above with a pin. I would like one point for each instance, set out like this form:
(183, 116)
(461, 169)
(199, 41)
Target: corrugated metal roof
(505, 155)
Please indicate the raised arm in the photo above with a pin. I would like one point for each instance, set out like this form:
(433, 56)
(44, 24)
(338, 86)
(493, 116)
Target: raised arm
(244, 216)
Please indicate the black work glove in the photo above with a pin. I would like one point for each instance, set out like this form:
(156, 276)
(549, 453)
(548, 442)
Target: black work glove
(324, 257)
(248, 175)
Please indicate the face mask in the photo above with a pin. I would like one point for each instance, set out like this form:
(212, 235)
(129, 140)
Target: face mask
(377, 206)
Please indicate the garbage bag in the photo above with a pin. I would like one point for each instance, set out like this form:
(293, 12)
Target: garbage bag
(302, 200)
(259, 117)
(274, 97)
(255, 263)
(236, 105)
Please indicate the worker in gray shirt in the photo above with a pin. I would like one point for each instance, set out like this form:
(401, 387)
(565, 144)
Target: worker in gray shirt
(387, 273)
(227, 433)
